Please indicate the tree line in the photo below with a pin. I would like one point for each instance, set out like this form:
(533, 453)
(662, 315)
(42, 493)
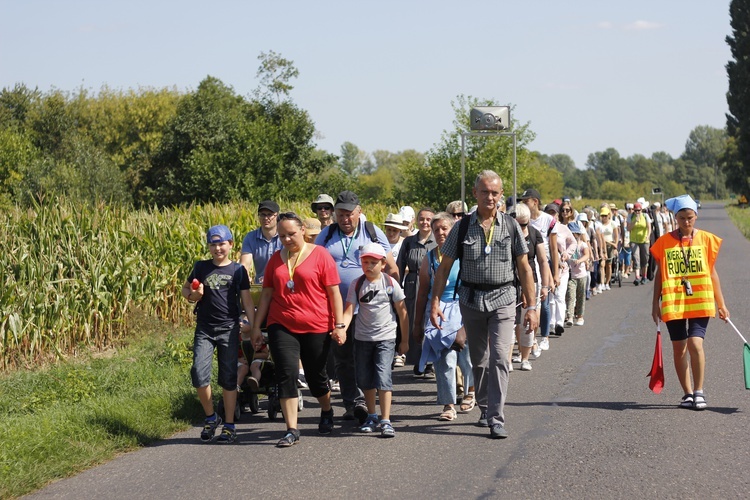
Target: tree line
(159, 147)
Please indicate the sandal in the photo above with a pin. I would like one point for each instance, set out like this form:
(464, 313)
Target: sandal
(699, 402)
(468, 403)
(449, 414)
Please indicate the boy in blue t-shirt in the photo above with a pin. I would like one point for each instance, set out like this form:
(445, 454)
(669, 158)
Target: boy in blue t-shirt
(375, 333)
(217, 286)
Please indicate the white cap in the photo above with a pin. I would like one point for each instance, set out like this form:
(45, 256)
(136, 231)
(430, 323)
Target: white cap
(407, 214)
(372, 249)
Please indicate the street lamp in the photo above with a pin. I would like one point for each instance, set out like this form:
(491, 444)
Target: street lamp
(657, 190)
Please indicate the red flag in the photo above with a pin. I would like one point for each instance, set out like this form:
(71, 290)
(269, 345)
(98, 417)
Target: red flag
(657, 367)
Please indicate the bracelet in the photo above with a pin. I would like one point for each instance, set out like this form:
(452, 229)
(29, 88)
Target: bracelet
(340, 325)
(533, 308)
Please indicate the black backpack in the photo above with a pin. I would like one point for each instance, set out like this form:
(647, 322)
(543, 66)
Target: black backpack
(369, 229)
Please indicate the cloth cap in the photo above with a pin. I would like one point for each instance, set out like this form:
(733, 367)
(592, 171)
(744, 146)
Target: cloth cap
(531, 193)
(371, 249)
(612, 206)
(395, 221)
(407, 214)
(312, 225)
(680, 203)
(346, 200)
(637, 206)
(582, 217)
(641, 200)
(604, 211)
(552, 206)
(322, 199)
(269, 205)
(575, 228)
(219, 234)
(657, 204)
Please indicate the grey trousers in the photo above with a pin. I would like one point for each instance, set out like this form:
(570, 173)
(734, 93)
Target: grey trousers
(490, 335)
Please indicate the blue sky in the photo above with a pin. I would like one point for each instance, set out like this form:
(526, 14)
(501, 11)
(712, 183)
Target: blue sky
(587, 75)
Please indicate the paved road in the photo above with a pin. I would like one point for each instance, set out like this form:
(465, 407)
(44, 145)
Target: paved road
(582, 424)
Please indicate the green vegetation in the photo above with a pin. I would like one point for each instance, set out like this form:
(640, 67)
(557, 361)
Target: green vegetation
(741, 219)
(66, 418)
(736, 160)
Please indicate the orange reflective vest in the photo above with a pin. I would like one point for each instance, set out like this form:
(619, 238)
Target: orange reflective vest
(692, 261)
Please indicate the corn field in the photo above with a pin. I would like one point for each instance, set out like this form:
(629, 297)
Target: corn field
(72, 275)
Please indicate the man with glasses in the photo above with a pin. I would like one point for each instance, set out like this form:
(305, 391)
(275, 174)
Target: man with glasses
(259, 245)
(344, 240)
(323, 209)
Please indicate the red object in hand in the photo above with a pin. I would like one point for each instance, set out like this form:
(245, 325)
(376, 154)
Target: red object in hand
(656, 383)
(195, 284)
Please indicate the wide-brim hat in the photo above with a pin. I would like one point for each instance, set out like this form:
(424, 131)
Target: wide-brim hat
(395, 221)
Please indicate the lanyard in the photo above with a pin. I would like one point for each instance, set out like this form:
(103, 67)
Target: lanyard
(346, 248)
(686, 257)
(439, 255)
(296, 262)
(488, 237)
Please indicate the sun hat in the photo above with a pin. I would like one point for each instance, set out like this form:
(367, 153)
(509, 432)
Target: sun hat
(575, 228)
(322, 199)
(372, 249)
(219, 234)
(582, 217)
(312, 226)
(395, 221)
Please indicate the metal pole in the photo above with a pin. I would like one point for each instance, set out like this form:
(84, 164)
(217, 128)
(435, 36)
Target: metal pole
(515, 185)
(463, 169)
(716, 181)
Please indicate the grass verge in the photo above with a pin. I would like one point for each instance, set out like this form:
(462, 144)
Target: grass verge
(64, 419)
(741, 218)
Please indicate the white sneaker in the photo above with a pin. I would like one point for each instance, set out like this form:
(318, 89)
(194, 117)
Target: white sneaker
(525, 366)
(536, 353)
(579, 322)
(607, 287)
(516, 358)
(544, 344)
(399, 361)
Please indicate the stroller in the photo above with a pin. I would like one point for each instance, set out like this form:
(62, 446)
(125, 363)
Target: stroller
(617, 265)
(249, 398)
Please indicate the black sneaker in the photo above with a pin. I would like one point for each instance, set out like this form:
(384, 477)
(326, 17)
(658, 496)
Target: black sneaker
(559, 330)
(417, 373)
(290, 439)
(325, 426)
(497, 431)
(482, 422)
(228, 435)
(360, 413)
(209, 429)
(348, 414)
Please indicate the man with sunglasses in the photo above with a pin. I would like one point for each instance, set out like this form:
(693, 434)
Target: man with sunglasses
(259, 245)
(322, 207)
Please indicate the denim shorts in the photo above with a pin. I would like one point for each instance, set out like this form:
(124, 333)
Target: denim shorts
(225, 340)
(373, 363)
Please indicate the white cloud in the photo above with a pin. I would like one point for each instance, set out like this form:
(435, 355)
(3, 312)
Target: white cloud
(643, 25)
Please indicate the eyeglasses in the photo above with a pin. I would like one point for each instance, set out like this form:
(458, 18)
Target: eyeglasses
(324, 207)
(636, 210)
(266, 215)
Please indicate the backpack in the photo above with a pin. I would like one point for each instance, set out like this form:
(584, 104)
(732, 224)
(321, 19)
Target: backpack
(369, 229)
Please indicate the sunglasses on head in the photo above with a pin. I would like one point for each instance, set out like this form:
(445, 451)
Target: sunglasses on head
(289, 215)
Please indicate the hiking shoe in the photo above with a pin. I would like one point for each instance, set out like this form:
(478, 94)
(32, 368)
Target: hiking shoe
(687, 401)
(325, 426)
(228, 435)
(544, 344)
(525, 366)
(209, 429)
(497, 431)
(360, 413)
(699, 401)
(482, 422)
(290, 439)
(387, 430)
(369, 426)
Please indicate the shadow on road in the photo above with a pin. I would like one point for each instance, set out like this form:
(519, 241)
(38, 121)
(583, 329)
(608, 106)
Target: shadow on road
(620, 406)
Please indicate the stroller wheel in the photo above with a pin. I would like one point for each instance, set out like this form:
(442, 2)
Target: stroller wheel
(254, 403)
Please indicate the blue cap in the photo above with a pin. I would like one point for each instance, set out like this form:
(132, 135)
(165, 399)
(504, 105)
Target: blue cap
(681, 202)
(575, 228)
(219, 234)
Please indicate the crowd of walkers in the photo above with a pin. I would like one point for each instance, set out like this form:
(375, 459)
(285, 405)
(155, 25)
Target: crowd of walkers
(460, 296)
